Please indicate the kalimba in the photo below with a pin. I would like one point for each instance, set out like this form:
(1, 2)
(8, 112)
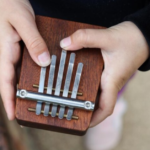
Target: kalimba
(62, 96)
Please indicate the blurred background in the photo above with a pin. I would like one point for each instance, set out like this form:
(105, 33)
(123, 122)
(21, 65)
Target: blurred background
(136, 131)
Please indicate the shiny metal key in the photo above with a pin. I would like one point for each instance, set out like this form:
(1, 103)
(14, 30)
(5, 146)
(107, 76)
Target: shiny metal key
(41, 89)
(50, 83)
(67, 83)
(59, 80)
(75, 88)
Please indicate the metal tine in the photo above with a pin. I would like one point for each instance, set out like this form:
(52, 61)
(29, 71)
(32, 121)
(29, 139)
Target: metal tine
(67, 83)
(41, 89)
(59, 80)
(33, 110)
(75, 88)
(50, 83)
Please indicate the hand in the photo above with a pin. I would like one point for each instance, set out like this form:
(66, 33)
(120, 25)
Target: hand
(17, 21)
(124, 50)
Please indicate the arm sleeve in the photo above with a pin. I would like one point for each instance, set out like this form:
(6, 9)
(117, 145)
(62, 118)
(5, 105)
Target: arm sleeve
(142, 19)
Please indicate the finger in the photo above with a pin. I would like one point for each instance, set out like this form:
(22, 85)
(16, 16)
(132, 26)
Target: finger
(95, 38)
(27, 29)
(107, 102)
(9, 55)
(7, 75)
(7, 89)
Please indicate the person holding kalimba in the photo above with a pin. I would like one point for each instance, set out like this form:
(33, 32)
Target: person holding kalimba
(124, 44)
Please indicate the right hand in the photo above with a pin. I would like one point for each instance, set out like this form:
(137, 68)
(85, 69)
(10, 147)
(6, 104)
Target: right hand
(17, 21)
(124, 49)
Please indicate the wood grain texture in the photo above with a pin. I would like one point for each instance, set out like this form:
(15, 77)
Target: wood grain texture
(53, 30)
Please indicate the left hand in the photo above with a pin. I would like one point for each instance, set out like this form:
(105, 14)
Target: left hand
(17, 21)
(124, 50)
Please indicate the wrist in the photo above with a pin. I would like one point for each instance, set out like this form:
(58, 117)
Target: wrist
(132, 36)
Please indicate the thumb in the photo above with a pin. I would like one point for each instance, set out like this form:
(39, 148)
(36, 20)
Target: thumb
(95, 38)
(27, 29)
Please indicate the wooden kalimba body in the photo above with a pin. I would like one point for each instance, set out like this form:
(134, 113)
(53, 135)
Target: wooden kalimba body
(62, 96)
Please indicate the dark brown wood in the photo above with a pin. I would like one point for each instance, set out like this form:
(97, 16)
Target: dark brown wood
(53, 30)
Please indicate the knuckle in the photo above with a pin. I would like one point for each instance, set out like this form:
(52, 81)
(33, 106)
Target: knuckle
(120, 83)
(37, 45)
(23, 15)
(109, 111)
(10, 36)
(81, 35)
(114, 37)
(107, 107)
(8, 81)
(81, 32)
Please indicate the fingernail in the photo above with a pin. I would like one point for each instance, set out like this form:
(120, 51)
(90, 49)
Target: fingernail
(65, 42)
(44, 59)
